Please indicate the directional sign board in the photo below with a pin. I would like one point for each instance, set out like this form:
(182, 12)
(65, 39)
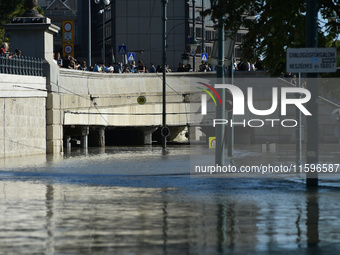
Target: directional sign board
(131, 56)
(311, 60)
(122, 49)
(204, 57)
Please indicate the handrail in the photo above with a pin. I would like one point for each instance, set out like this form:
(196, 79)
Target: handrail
(22, 65)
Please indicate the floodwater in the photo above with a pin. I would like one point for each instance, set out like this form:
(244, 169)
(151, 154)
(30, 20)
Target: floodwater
(142, 200)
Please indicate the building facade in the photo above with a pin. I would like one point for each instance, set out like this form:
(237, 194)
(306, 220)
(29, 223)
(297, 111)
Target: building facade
(137, 24)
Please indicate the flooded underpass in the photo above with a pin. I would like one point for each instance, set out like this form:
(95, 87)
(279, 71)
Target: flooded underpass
(142, 200)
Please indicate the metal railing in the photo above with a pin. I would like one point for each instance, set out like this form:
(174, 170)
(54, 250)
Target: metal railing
(21, 65)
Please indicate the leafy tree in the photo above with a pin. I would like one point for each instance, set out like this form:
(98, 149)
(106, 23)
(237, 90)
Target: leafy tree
(9, 10)
(274, 25)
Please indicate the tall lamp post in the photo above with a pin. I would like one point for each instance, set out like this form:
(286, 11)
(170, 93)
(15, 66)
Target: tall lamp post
(312, 121)
(203, 29)
(228, 54)
(105, 3)
(165, 130)
(193, 47)
(193, 44)
(220, 109)
(225, 52)
(89, 32)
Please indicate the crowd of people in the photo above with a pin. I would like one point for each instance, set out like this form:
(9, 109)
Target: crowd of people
(5, 53)
(248, 66)
(70, 62)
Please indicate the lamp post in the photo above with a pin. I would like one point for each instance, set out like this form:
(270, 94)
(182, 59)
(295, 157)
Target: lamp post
(203, 29)
(229, 50)
(165, 130)
(193, 47)
(220, 109)
(185, 58)
(89, 32)
(105, 3)
(312, 105)
(225, 52)
(193, 44)
(102, 11)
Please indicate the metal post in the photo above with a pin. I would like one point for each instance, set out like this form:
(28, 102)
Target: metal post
(220, 110)
(230, 114)
(104, 32)
(164, 2)
(194, 32)
(299, 132)
(89, 39)
(203, 29)
(312, 105)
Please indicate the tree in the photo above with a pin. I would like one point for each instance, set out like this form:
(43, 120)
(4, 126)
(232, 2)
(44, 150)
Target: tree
(9, 10)
(273, 26)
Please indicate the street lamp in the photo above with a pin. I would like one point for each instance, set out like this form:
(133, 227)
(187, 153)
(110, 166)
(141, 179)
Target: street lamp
(102, 11)
(165, 130)
(225, 51)
(193, 47)
(185, 58)
(229, 47)
(228, 55)
(193, 44)
(105, 3)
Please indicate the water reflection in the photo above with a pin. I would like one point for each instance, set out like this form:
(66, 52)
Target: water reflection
(98, 205)
(312, 219)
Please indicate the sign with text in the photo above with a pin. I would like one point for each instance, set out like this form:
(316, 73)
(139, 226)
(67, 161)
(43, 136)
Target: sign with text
(311, 60)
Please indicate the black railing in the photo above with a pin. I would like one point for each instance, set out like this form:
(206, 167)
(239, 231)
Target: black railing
(21, 65)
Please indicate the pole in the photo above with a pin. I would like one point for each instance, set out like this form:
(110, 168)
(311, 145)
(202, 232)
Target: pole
(299, 132)
(164, 2)
(193, 32)
(203, 29)
(220, 110)
(312, 105)
(103, 52)
(230, 114)
(89, 39)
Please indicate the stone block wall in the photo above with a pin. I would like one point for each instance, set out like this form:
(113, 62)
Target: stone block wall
(22, 115)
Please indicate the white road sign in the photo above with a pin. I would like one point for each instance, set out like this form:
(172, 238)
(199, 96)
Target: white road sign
(311, 60)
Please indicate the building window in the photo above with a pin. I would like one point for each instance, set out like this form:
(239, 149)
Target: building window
(238, 53)
(199, 32)
(208, 50)
(240, 38)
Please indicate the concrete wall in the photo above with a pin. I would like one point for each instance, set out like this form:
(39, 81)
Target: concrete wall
(114, 99)
(32, 120)
(22, 115)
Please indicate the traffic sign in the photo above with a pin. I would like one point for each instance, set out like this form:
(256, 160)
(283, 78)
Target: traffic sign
(131, 56)
(68, 26)
(122, 49)
(68, 31)
(311, 60)
(204, 57)
(141, 100)
(212, 142)
(165, 131)
(68, 49)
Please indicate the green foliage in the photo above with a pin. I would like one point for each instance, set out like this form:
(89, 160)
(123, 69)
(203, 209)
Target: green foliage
(275, 25)
(9, 10)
